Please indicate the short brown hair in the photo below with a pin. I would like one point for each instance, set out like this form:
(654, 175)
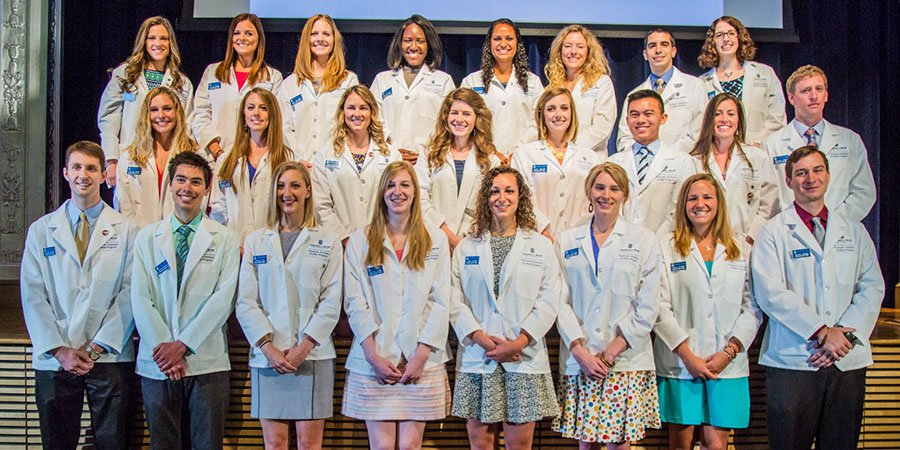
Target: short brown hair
(799, 154)
(709, 56)
(802, 73)
(88, 148)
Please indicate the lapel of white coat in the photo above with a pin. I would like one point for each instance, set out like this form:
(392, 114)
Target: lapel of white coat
(168, 284)
(829, 139)
(199, 246)
(749, 90)
(587, 249)
(103, 232)
(62, 232)
(798, 228)
(661, 160)
(471, 173)
(523, 238)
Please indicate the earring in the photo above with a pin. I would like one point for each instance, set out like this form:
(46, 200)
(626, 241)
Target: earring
(590, 207)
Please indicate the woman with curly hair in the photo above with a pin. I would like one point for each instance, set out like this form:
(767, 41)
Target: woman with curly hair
(612, 270)
(728, 53)
(161, 133)
(507, 86)
(577, 63)
(155, 61)
(226, 83)
(459, 153)
(346, 172)
(506, 282)
(310, 94)
(410, 93)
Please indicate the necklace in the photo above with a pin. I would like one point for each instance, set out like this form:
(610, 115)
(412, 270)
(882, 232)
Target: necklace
(559, 154)
(705, 243)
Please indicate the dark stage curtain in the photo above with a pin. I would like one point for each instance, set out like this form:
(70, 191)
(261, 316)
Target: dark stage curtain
(856, 43)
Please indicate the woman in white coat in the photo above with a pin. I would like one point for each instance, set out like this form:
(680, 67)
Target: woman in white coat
(289, 301)
(397, 281)
(457, 156)
(706, 321)
(745, 173)
(142, 194)
(509, 89)
(224, 84)
(310, 95)
(611, 269)
(554, 166)
(411, 92)
(239, 199)
(346, 172)
(577, 62)
(155, 61)
(728, 53)
(505, 297)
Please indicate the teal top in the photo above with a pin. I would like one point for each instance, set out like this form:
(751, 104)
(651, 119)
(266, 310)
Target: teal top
(708, 267)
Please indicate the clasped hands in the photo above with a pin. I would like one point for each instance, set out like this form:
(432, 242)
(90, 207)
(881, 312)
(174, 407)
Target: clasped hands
(832, 345)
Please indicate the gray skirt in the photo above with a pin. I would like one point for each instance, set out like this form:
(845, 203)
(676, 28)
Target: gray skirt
(305, 394)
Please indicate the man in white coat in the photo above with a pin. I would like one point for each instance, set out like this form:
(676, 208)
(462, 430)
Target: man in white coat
(684, 95)
(184, 280)
(655, 170)
(816, 275)
(852, 189)
(76, 272)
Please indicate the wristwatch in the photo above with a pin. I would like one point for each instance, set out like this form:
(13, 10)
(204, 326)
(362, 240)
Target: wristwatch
(93, 354)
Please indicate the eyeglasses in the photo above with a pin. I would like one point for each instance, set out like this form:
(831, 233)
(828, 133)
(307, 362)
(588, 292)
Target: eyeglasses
(731, 34)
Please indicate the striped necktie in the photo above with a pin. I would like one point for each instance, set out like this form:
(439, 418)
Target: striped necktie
(643, 163)
(181, 251)
(819, 231)
(812, 137)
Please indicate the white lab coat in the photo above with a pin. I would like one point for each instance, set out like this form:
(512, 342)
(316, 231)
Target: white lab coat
(618, 296)
(195, 315)
(684, 98)
(528, 300)
(512, 109)
(652, 204)
(409, 113)
(138, 195)
(851, 190)
(801, 287)
(596, 110)
(557, 190)
(288, 298)
(344, 197)
(750, 192)
(762, 99)
(216, 105)
(706, 310)
(118, 114)
(307, 117)
(240, 205)
(442, 202)
(400, 306)
(69, 304)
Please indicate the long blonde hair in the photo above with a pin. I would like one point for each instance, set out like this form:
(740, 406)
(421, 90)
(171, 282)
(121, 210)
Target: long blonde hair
(335, 69)
(258, 70)
(143, 146)
(278, 151)
(721, 227)
(274, 214)
(138, 60)
(419, 240)
(439, 145)
(540, 120)
(375, 129)
(595, 65)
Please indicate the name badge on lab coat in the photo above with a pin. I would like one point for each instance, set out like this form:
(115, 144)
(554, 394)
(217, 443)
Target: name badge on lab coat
(780, 159)
(133, 170)
(375, 270)
(800, 253)
(386, 93)
(49, 251)
(572, 252)
(260, 259)
(332, 164)
(214, 85)
(224, 184)
(472, 260)
(162, 267)
(295, 100)
(129, 96)
(479, 89)
(678, 266)
(539, 168)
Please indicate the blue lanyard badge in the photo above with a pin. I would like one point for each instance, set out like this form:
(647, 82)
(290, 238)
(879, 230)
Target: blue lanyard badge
(595, 247)
(375, 270)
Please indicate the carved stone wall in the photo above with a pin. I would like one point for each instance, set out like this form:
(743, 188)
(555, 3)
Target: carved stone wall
(24, 37)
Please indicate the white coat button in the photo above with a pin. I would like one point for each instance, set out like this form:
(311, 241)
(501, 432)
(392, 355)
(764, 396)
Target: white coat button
(406, 98)
(503, 103)
(496, 311)
(596, 309)
(597, 330)
(827, 287)
(709, 296)
(315, 119)
(709, 316)
(562, 177)
(362, 181)
(316, 103)
(314, 136)
(562, 194)
(827, 313)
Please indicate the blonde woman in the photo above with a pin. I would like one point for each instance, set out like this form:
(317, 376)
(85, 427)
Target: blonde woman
(239, 199)
(226, 83)
(612, 269)
(459, 153)
(397, 296)
(554, 166)
(745, 173)
(289, 301)
(155, 61)
(310, 95)
(346, 172)
(410, 93)
(142, 194)
(505, 286)
(577, 63)
(706, 321)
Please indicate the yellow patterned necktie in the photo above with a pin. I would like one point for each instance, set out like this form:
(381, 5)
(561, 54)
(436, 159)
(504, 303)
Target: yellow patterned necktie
(82, 236)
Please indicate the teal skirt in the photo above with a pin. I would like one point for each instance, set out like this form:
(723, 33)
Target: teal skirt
(723, 403)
